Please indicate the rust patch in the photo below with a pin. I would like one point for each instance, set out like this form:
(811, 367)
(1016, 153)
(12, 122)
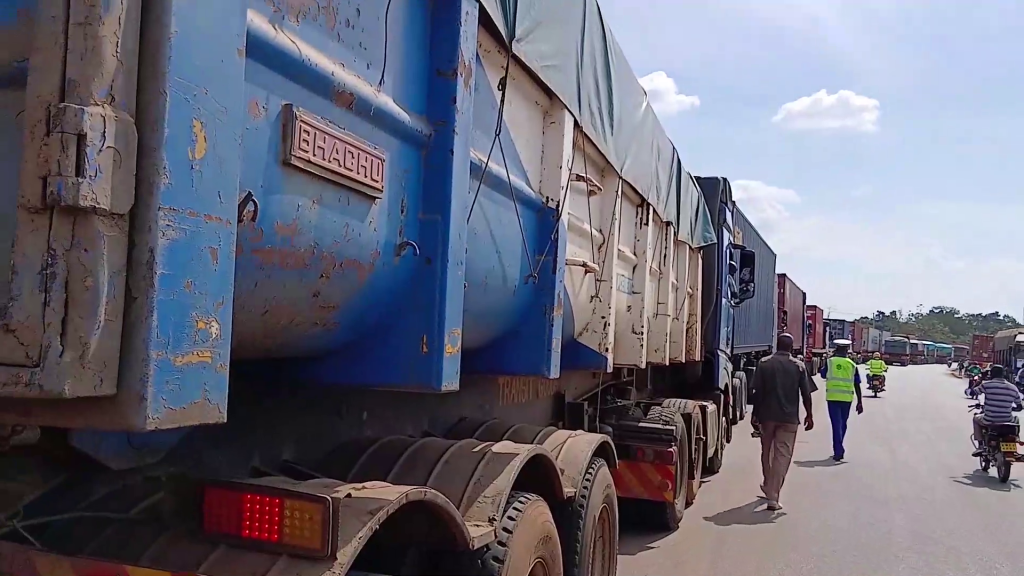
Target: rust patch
(330, 13)
(256, 110)
(289, 230)
(193, 357)
(466, 72)
(210, 218)
(214, 255)
(299, 10)
(344, 99)
(453, 342)
(188, 285)
(558, 305)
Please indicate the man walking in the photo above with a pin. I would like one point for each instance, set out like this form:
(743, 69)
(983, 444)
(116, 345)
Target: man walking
(842, 381)
(780, 382)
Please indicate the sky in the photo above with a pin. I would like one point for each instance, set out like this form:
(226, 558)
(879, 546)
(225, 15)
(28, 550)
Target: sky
(877, 145)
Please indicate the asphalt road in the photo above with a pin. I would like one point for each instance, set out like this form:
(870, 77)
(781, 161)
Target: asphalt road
(909, 500)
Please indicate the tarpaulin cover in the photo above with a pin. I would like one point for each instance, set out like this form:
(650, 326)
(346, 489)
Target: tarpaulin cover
(568, 44)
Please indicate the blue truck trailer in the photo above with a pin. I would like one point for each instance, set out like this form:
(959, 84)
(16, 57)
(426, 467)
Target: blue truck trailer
(345, 287)
(755, 320)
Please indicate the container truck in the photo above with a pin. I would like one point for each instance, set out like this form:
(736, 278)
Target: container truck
(982, 348)
(896, 351)
(791, 304)
(961, 352)
(838, 329)
(1008, 348)
(815, 349)
(347, 287)
(754, 334)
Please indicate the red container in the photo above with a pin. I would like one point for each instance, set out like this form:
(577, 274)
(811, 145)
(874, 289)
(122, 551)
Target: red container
(791, 310)
(981, 348)
(815, 328)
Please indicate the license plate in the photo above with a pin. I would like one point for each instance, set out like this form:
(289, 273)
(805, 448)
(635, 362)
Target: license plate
(1008, 446)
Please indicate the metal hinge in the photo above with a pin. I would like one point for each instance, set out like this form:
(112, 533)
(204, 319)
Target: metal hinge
(91, 153)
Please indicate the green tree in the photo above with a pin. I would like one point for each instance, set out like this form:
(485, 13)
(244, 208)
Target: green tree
(940, 323)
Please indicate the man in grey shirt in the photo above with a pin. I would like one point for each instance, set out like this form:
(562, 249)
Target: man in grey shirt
(780, 382)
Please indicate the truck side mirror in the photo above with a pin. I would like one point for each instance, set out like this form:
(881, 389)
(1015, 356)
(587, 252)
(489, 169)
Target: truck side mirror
(748, 262)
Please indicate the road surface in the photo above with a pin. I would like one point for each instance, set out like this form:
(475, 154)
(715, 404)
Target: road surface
(909, 500)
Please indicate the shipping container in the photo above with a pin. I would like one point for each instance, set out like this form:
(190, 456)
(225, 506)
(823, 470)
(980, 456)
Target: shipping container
(838, 329)
(815, 328)
(755, 319)
(791, 303)
(318, 208)
(982, 348)
(961, 352)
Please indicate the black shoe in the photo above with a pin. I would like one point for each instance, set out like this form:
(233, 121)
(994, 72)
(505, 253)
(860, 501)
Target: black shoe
(978, 453)
(837, 458)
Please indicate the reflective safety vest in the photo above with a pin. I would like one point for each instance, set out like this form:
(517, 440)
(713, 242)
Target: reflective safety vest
(876, 367)
(839, 379)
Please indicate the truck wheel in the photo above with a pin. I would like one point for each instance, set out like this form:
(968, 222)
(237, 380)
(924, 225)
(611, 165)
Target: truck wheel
(674, 511)
(590, 541)
(527, 541)
(714, 464)
(728, 434)
(696, 471)
(741, 404)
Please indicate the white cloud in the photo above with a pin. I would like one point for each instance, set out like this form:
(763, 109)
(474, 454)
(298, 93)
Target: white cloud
(860, 260)
(664, 95)
(843, 110)
(766, 206)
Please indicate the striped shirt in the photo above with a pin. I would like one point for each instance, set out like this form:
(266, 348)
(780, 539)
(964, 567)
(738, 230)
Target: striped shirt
(1000, 397)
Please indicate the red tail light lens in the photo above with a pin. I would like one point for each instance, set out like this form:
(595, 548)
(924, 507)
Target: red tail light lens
(271, 519)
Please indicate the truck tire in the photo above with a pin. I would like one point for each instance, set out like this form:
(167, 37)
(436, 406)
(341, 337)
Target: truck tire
(527, 540)
(741, 403)
(590, 538)
(714, 464)
(674, 511)
(696, 440)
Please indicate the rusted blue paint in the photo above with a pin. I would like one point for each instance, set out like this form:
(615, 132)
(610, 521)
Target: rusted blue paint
(178, 323)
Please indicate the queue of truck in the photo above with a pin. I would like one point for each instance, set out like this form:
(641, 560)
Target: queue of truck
(287, 300)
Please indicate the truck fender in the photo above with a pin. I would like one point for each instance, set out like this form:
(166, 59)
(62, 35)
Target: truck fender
(365, 508)
(572, 449)
(474, 475)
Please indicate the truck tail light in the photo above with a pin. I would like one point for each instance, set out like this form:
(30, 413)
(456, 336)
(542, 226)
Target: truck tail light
(654, 455)
(270, 519)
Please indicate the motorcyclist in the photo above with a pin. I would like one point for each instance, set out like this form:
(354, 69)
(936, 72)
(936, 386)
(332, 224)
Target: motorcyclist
(877, 368)
(1001, 397)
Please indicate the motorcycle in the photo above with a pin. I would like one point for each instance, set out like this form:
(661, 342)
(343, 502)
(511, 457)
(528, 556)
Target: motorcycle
(999, 446)
(876, 384)
(973, 387)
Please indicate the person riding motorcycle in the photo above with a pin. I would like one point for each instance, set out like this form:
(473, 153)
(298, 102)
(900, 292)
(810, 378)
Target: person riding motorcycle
(877, 368)
(1001, 399)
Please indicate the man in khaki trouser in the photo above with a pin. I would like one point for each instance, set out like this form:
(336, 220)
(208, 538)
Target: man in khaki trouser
(780, 382)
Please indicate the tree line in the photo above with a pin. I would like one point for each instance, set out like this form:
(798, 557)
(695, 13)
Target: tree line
(940, 323)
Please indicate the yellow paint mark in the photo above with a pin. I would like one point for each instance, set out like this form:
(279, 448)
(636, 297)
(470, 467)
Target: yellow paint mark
(194, 357)
(199, 136)
(52, 565)
(207, 324)
(453, 344)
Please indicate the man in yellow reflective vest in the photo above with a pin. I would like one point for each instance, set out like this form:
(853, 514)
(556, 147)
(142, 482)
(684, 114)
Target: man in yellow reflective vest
(877, 368)
(842, 384)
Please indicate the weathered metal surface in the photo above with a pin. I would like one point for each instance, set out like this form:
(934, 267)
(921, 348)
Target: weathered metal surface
(173, 357)
(75, 77)
(645, 480)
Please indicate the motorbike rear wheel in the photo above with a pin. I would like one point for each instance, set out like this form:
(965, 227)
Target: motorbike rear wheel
(1003, 469)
